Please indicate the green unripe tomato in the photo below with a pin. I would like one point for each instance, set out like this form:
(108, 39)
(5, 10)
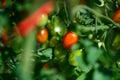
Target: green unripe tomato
(112, 40)
(43, 20)
(112, 43)
(74, 56)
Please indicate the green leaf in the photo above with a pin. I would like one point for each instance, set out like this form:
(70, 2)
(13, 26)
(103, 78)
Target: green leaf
(82, 64)
(87, 43)
(100, 76)
(88, 21)
(81, 77)
(45, 55)
(93, 54)
(50, 74)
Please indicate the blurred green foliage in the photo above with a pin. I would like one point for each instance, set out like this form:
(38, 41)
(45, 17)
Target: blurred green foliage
(23, 58)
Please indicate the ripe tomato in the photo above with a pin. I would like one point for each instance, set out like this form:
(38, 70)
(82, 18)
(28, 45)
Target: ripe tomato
(70, 39)
(42, 35)
(116, 16)
(74, 56)
(4, 37)
(3, 3)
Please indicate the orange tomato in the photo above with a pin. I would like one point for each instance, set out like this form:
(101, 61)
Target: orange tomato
(116, 16)
(70, 39)
(42, 35)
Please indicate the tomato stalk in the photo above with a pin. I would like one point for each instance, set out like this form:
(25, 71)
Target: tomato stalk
(30, 23)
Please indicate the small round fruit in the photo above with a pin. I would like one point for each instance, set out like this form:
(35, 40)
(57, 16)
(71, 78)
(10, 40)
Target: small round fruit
(43, 18)
(116, 16)
(69, 40)
(73, 57)
(113, 39)
(42, 35)
(112, 42)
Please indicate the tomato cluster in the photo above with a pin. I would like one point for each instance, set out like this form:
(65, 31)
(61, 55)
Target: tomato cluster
(69, 39)
(54, 34)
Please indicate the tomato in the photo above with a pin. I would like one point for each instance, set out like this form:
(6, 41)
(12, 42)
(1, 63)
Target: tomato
(69, 40)
(42, 35)
(30, 23)
(4, 37)
(74, 56)
(3, 3)
(46, 66)
(43, 20)
(116, 16)
(112, 42)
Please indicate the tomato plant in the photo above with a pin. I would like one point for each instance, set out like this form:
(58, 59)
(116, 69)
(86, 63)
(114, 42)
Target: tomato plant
(59, 39)
(69, 39)
(42, 36)
(3, 3)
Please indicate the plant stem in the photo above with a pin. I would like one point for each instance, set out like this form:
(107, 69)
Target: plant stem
(94, 12)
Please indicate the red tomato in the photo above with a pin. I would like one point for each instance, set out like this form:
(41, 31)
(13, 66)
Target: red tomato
(4, 38)
(30, 23)
(42, 36)
(3, 3)
(116, 16)
(46, 66)
(70, 39)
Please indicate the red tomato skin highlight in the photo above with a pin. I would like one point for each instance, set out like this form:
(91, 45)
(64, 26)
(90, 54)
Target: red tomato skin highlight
(70, 39)
(30, 23)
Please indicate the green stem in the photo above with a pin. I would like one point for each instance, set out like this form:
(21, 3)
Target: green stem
(94, 12)
(67, 7)
(92, 28)
(26, 65)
